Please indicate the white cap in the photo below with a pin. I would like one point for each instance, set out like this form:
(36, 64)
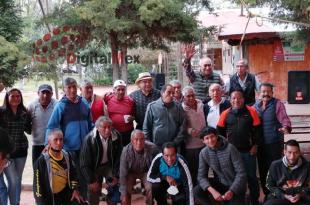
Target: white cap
(118, 83)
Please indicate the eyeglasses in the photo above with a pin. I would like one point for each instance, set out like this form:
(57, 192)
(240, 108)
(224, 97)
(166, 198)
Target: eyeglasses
(207, 65)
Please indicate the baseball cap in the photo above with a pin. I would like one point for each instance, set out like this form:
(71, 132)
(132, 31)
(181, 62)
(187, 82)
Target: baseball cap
(45, 87)
(118, 83)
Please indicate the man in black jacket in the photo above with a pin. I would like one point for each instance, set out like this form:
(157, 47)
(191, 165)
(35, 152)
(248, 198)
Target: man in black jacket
(169, 173)
(55, 181)
(288, 179)
(240, 125)
(100, 158)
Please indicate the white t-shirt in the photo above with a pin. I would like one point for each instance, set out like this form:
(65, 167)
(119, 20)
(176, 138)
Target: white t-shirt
(214, 114)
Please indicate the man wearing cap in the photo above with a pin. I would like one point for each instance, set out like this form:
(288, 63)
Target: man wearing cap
(40, 109)
(121, 109)
(95, 102)
(200, 80)
(72, 115)
(143, 96)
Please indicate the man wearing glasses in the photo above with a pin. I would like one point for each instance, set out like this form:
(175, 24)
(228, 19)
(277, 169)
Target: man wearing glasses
(202, 79)
(243, 80)
(6, 147)
(143, 96)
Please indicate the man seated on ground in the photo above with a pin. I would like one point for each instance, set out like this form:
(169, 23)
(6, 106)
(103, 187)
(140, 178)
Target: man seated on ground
(288, 179)
(55, 180)
(169, 173)
(99, 158)
(136, 158)
(229, 182)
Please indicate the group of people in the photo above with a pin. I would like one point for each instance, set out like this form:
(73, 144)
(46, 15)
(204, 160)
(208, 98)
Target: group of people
(84, 144)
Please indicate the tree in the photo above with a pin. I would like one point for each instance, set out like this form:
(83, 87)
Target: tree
(10, 21)
(12, 63)
(132, 23)
(292, 10)
(12, 60)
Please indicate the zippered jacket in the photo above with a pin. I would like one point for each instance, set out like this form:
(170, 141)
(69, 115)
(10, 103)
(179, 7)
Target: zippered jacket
(42, 179)
(91, 154)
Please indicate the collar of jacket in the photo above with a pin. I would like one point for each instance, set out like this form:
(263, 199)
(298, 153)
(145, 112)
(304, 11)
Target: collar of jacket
(113, 136)
(165, 104)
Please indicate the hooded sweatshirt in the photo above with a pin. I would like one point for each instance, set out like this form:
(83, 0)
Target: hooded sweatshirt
(74, 119)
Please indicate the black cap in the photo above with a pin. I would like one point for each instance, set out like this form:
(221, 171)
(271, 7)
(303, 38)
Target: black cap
(45, 87)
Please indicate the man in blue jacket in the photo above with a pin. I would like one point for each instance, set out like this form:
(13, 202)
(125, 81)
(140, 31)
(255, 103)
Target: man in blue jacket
(73, 116)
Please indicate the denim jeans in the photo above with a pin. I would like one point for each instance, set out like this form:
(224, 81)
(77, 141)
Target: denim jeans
(3, 191)
(14, 174)
(250, 167)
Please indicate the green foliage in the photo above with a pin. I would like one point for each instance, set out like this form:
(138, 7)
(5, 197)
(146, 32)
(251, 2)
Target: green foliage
(136, 22)
(12, 63)
(104, 81)
(10, 21)
(292, 10)
(134, 70)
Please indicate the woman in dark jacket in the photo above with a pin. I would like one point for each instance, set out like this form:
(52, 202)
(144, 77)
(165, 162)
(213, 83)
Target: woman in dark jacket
(15, 119)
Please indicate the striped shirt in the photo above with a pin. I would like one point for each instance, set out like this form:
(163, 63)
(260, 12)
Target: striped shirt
(141, 102)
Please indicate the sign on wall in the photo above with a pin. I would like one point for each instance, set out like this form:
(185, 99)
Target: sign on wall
(284, 51)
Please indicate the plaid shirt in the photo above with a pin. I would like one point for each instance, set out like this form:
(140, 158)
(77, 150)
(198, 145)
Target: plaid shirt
(199, 81)
(141, 102)
(16, 125)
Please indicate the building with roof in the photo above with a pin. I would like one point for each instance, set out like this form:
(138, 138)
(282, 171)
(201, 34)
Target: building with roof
(270, 57)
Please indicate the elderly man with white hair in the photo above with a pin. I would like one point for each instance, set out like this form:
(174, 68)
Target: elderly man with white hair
(121, 109)
(177, 85)
(195, 121)
(202, 79)
(99, 158)
(216, 105)
(245, 81)
(136, 159)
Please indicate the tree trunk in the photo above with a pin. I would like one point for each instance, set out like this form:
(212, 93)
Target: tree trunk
(114, 51)
(124, 65)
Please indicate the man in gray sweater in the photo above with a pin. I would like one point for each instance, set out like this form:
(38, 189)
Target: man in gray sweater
(229, 182)
(136, 158)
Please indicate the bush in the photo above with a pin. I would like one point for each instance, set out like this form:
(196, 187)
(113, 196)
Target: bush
(103, 81)
(134, 70)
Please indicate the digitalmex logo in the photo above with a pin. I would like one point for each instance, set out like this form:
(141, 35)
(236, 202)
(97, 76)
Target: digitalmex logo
(60, 44)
